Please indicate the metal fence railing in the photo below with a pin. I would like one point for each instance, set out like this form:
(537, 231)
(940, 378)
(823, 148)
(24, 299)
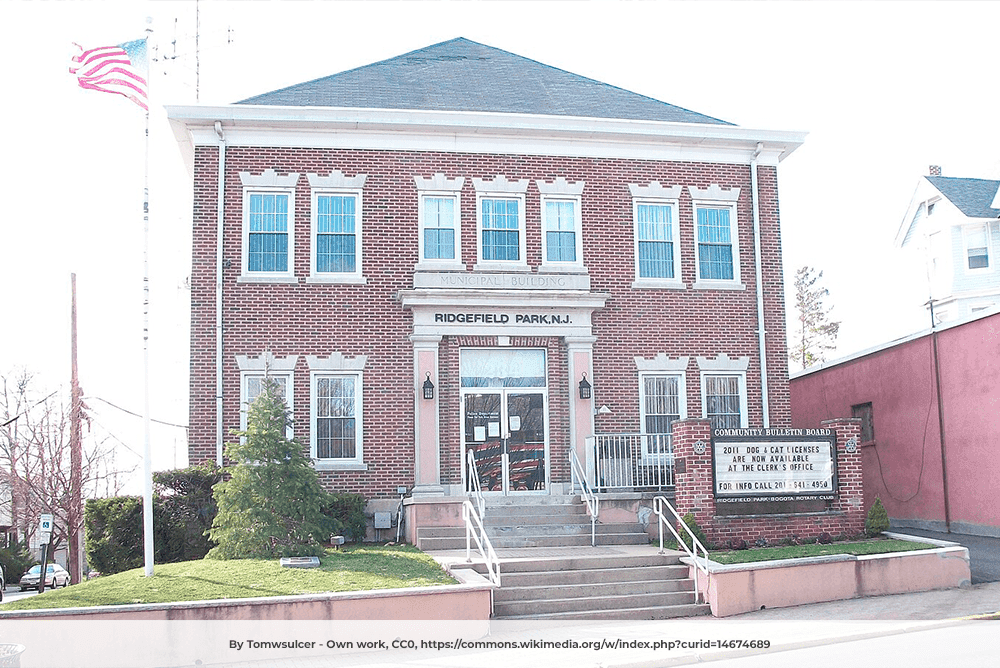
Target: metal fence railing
(633, 462)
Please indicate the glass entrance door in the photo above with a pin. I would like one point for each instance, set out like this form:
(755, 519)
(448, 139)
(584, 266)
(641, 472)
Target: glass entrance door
(506, 431)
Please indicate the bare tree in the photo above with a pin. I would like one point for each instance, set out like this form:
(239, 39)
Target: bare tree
(815, 333)
(35, 462)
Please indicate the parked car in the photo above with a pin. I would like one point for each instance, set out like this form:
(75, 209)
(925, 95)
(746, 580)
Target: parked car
(55, 576)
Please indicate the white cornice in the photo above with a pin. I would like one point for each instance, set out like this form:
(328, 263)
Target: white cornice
(475, 132)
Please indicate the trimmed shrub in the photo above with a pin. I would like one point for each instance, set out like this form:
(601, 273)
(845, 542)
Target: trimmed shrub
(824, 538)
(189, 508)
(346, 514)
(877, 520)
(695, 529)
(271, 504)
(114, 536)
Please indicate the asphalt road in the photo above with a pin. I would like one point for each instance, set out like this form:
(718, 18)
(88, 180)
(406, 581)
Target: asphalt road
(984, 552)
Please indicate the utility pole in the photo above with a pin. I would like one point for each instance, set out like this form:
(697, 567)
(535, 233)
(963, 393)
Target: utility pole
(75, 514)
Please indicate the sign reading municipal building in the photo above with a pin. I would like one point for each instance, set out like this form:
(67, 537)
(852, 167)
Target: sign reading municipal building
(774, 464)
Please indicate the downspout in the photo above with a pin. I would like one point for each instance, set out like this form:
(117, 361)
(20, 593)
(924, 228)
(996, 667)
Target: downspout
(220, 210)
(761, 333)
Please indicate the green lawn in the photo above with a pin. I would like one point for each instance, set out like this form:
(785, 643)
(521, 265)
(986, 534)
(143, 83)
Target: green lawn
(875, 546)
(353, 569)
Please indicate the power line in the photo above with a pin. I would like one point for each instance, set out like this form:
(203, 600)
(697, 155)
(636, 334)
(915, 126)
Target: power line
(125, 410)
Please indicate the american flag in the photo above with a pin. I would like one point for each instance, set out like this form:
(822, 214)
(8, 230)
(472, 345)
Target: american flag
(117, 69)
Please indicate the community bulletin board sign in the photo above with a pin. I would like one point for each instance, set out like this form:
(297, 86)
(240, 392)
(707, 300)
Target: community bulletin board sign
(774, 464)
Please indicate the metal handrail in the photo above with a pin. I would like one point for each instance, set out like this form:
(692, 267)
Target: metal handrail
(474, 530)
(474, 488)
(696, 546)
(577, 475)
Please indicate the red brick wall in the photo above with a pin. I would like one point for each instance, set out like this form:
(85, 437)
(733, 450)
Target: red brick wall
(368, 319)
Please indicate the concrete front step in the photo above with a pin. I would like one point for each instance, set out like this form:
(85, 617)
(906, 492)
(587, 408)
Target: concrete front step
(592, 576)
(653, 612)
(591, 603)
(542, 592)
(508, 530)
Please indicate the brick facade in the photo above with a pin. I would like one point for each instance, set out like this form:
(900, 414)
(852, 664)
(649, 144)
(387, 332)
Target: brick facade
(368, 319)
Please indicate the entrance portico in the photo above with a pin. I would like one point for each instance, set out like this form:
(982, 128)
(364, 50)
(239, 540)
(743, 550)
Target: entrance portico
(505, 385)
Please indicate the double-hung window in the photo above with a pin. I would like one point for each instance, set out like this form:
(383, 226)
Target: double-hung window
(562, 235)
(715, 244)
(717, 249)
(502, 232)
(268, 232)
(336, 416)
(562, 224)
(656, 240)
(724, 391)
(440, 240)
(500, 205)
(268, 226)
(977, 247)
(256, 372)
(656, 232)
(723, 401)
(662, 399)
(336, 242)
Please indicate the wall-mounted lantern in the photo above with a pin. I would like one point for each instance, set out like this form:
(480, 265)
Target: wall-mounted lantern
(428, 387)
(585, 388)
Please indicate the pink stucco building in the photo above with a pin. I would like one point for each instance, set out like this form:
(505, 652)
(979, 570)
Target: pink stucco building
(930, 410)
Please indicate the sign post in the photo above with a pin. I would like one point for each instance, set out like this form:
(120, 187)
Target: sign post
(45, 535)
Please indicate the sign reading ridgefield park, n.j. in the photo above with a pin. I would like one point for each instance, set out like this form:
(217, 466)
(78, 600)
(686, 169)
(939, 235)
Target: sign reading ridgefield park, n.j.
(774, 464)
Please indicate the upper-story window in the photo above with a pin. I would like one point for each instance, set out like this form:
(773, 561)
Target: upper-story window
(977, 247)
(656, 232)
(440, 239)
(500, 205)
(336, 241)
(268, 226)
(562, 225)
(717, 250)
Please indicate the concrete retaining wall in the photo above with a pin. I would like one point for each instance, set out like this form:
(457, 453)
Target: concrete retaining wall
(739, 588)
(469, 600)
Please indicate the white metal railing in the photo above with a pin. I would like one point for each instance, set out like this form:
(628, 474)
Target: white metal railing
(472, 515)
(579, 477)
(696, 546)
(473, 487)
(634, 461)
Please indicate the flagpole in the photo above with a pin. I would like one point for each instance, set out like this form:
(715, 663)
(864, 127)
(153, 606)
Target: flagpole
(147, 467)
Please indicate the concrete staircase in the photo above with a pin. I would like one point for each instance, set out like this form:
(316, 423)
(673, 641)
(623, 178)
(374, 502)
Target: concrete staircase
(535, 521)
(612, 587)
(544, 577)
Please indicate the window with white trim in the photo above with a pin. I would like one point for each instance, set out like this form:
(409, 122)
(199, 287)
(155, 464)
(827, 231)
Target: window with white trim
(724, 400)
(656, 240)
(662, 401)
(561, 240)
(977, 247)
(656, 233)
(716, 237)
(254, 371)
(724, 391)
(336, 237)
(715, 244)
(500, 214)
(268, 226)
(337, 417)
(439, 228)
(440, 218)
(336, 412)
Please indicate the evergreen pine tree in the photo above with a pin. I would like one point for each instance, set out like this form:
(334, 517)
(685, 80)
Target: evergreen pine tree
(814, 333)
(271, 504)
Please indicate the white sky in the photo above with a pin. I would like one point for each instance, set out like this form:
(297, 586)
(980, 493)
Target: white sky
(884, 90)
